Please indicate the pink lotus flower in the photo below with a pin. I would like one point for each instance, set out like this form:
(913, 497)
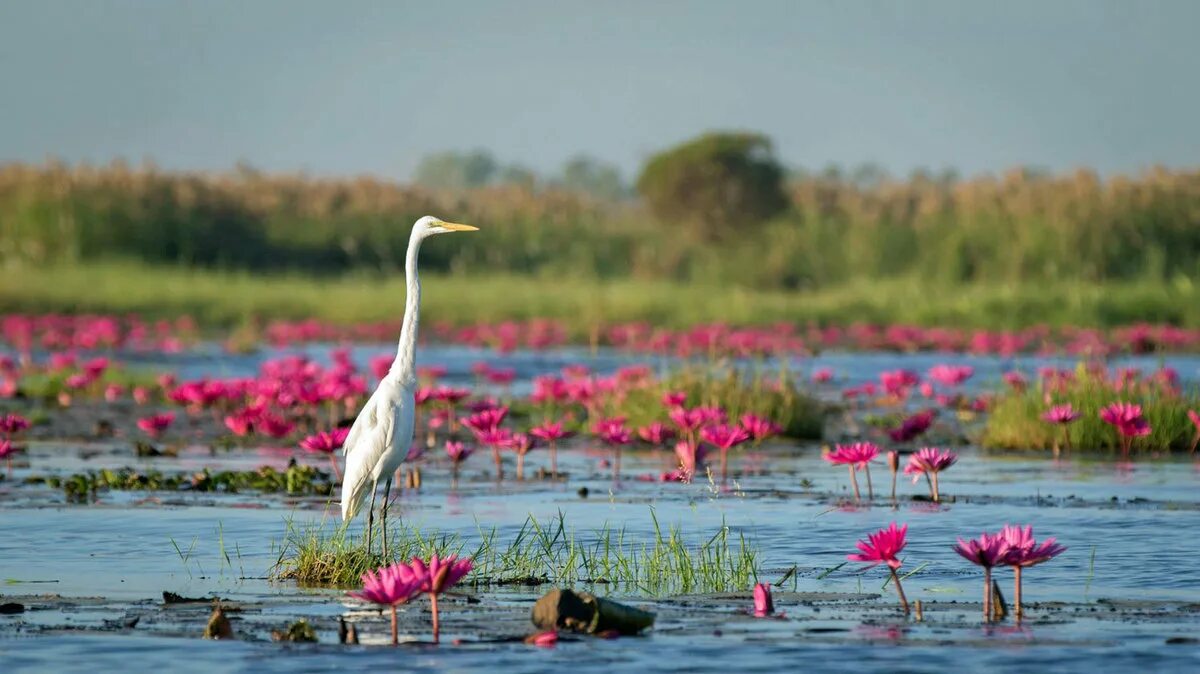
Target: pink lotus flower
(274, 426)
(688, 421)
(614, 434)
(883, 546)
(856, 456)
(656, 433)
(763, 605)
(487, 420)
(141, 395)
(950, 375)
(326, 442)
(759, 428)
(457, 451)
(434, 578)
(672, 399)
(912, 427)
(691, 458)
(724, 437)
(551, 432)
(1127, 419)
(822, 375)
(1024, 551)
(241, 423)
(390, 586)
(1061, 414)
(11, 424)
(155, 424)
(7, 450)
(929, 461)
(987, 551)
(1015, 380)
(521, 443)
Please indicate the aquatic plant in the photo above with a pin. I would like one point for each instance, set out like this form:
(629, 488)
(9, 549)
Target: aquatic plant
(613, 433)
(389, 586)
(666, 562)
(1024, 551)
(551, 432)
(297, 479)
(763, 605)
(327, 442)
(855, 457)
(155, 424)
(1127, 420)
(988, 551)
(520, 444)
(724, 437)
(1015, 420)
(434, 578)
(1194, 417)
(1062, 415)
(893, 461)
(882, 547)
(930, 462)
(458, 452)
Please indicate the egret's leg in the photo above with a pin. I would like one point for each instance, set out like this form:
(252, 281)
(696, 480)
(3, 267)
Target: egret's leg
(387, 496)
(371, 516)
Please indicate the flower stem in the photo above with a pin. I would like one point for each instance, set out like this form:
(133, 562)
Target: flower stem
(395, 633)
(987, 594)
(853, 481)
(554, 458)
(434, 608)
(937, 496)
(870, 489)
(337, 473)
(520, 466)
(724, 458)
(1017, 593)
(900, 591)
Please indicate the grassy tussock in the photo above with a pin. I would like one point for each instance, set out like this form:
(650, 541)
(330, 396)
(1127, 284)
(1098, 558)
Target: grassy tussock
(1015, 420)
(540, 552)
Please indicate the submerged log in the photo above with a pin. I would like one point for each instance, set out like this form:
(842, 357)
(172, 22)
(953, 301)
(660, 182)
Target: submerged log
(999, 608)
(587, 613)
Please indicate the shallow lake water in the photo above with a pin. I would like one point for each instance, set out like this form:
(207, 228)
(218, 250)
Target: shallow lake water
(1123, 597)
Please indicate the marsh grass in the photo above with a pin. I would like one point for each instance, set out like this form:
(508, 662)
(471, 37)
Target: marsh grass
(1015, 419)
(668, 562)
(236, 298)
(766, 389)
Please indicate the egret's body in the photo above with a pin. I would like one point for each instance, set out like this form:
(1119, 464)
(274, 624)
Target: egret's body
(382, 433)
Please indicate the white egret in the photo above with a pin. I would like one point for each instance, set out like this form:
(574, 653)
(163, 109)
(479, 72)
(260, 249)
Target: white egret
(381, 435)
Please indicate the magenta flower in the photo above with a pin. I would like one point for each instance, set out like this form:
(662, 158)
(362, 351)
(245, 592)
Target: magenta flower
(457, 451)
(11, 424)
(521, 443)
(763, 605)
(691, 458)
(496, 439)
(155, 424)
(1024, 551)
(614, 434)
(987, 551)
(325, 442)
(672, 399)
(854, 457)
(546, 639)
(390, 586)
(883, 547)
(656, 433)
(1128, 421)
(929, 461)
(912, 427)
(724, 437)
(434, 578)
(1061, 414)
(759, 428)
(551, 432)
(688, 421)
(486, 420)
(950, 375)
(7, 450)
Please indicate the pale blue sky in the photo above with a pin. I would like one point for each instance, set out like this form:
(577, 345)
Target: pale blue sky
(370, 87)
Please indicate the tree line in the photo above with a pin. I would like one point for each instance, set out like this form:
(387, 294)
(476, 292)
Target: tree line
(717, 209)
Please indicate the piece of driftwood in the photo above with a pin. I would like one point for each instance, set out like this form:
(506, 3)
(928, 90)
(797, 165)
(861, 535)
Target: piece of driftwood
(999, 607)
(586, 613)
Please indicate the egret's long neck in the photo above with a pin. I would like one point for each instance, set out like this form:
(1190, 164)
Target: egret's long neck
(404, 367)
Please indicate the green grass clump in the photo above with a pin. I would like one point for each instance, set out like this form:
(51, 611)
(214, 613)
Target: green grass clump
(667, 563)
(1015, 419)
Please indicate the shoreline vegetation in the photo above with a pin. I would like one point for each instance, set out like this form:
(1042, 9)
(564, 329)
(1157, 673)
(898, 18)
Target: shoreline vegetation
(224, 299)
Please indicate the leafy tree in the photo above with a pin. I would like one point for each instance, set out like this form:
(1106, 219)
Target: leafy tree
(719, 183)
(593, 177)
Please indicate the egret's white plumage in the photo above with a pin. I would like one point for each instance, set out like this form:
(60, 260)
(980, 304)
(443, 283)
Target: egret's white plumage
(381, 435)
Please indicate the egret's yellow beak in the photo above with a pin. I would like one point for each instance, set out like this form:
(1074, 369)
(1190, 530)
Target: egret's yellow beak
(455, 227)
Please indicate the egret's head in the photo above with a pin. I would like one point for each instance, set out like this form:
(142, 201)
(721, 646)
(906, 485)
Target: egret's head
(429, 225)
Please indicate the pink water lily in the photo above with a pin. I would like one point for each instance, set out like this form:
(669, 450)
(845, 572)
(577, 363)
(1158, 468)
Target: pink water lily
(155, 424)
(1128, 421)
(855, 457)
(436, 577)
(724, 437)
(988, 551)
(930, 461)
(883, 547)
(390, 586)
(1025, 551)
(763, 605)
(551, 432)
(328, 442)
